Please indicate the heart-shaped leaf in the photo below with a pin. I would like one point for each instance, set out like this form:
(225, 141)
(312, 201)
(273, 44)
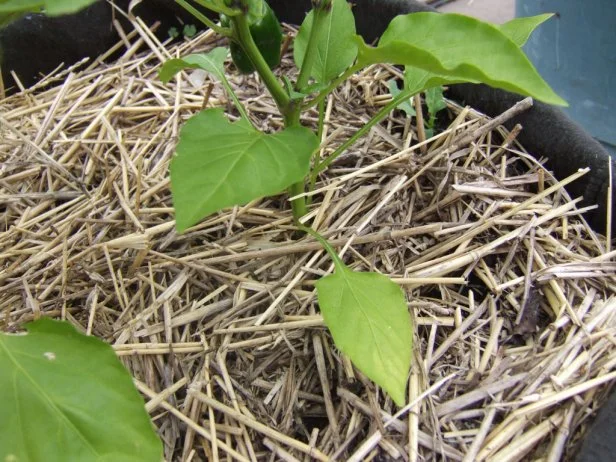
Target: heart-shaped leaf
(220, 164)
(457, 49)
(336, 49)
(370, 322)
(66, 396)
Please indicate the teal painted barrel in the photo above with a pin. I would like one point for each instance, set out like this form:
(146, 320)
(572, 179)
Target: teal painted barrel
(575, 52)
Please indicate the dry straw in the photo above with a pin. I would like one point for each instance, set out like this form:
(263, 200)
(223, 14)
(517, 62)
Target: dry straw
(512, 294)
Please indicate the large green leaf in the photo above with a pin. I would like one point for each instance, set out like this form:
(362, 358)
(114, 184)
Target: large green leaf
(50, 7)
(417, 80)
(220, 164)
(519, 29)
(7, 18)
(458, 48)
(57, 7)
(17, 6)
(11, 10)
(369, 321)
(336, 48)
(67, 397)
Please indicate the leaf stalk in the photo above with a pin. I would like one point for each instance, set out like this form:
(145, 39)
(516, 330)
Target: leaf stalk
(385, 110)
(225, 32)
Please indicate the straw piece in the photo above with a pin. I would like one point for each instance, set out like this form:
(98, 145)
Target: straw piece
(260, 427)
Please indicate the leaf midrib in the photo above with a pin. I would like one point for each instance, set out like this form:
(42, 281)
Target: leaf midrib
(362, 311)
(230, 169)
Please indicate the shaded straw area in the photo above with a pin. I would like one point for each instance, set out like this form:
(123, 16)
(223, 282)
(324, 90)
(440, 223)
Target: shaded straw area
(511, 294)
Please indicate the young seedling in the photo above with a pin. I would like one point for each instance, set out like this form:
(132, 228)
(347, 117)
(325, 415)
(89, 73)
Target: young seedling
(221, 164)
(434, 99)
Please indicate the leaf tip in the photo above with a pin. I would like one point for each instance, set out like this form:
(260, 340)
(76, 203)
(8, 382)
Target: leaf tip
(560, 101)
(181, 224)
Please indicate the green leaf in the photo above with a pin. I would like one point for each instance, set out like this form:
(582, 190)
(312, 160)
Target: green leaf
(7, 18)
(405, 106)
(57, 7)
(435, 100)
(11, 10)
(417, 80)
(220, 164)
(190, 30)
(370, 322)
(21, 6)
(257, 9)
(460, 49)
(50, 7)
(173, 32)
(212, 62)
(519, 29)
(336, 48)
(66, 396)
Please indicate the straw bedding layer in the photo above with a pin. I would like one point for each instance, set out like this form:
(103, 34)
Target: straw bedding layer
(512, 295)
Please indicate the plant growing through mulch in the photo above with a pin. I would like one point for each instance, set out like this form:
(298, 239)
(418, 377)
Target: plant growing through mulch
(510, 292)
(220, 163)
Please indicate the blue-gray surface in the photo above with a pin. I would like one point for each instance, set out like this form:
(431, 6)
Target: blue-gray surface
(576, 53)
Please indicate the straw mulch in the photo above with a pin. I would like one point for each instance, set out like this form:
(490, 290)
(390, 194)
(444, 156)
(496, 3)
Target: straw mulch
(512, 295)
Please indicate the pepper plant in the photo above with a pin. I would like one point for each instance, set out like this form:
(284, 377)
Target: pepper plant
(221, 163)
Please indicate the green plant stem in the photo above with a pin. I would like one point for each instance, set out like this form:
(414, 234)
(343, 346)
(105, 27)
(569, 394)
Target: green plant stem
(298, 205)
(238, 104)
(432, 121)
(338, 263)
(316, 158)
(292, 116)
(289, 109)
(333, 84)
(321, 119)
(225, 32)
(361, 132)
(269, 79)
(320, 12)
